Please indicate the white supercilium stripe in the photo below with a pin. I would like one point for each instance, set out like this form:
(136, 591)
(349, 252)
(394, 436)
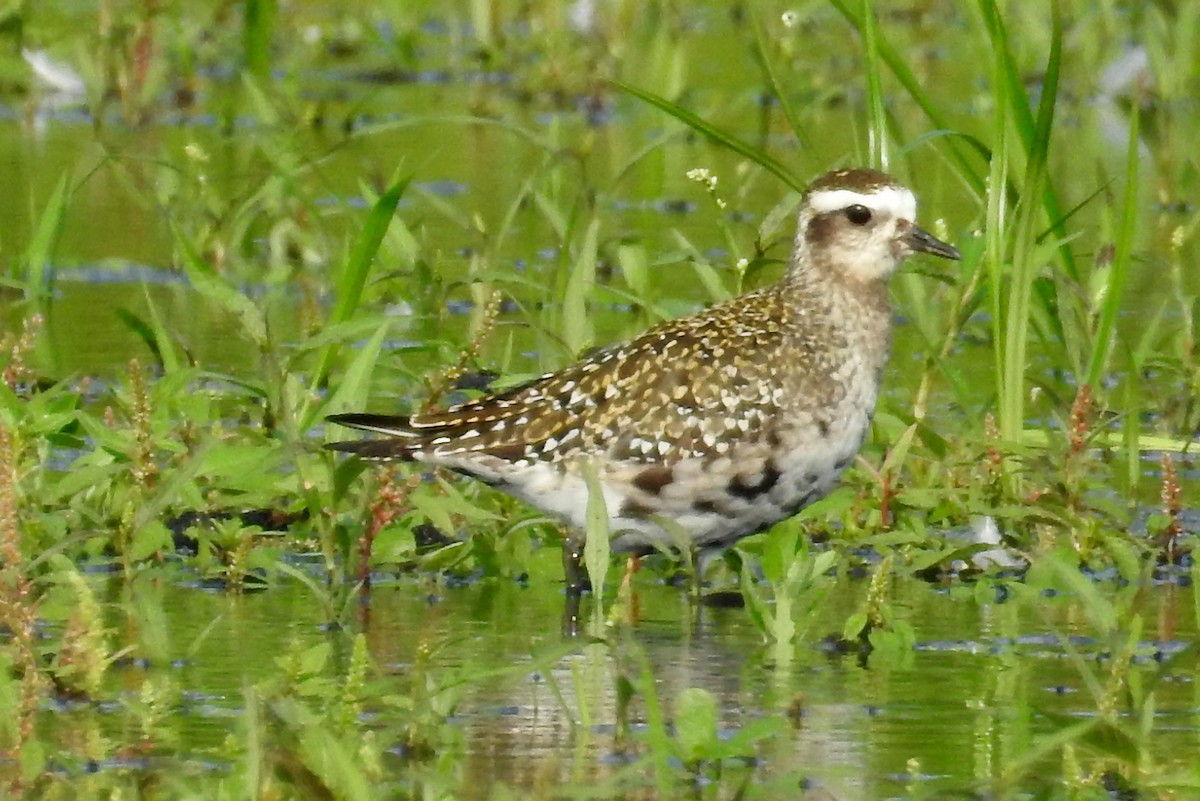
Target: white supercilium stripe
(894, 200)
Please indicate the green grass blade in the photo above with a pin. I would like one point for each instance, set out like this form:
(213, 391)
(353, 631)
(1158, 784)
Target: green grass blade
(1131, 431)
(1018, 99)
(153, 333)
(354, 275)
(1015, 310)
(258, 20)
(351, 392)
(141, 330)
(995, 253)
(596, 548)
(1118, 274)
(969, 170)
(40, 253)
(1071, 212)
(162, 338)
(1026, 125)
(715, 134)
(772, 79)
(877, 125)
(1146, 443)
(577, 330)
(353, 278)
(1024, 272)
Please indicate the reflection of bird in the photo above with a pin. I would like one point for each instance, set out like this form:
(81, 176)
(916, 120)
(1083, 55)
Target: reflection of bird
(725, 421)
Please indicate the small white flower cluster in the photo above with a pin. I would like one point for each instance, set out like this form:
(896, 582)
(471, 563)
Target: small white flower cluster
(702, 175)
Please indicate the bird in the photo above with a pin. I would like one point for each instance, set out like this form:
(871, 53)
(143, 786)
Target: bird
(725, 421)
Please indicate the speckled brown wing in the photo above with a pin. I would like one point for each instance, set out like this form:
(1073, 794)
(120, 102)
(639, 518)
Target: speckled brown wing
(693, 387)
(684, 388)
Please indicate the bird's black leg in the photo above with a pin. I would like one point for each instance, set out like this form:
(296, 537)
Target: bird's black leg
(697, 562)
(573, 569)
(576, 579)
(570, 618)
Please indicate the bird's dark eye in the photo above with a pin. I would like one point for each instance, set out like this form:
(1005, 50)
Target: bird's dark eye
(859, 215)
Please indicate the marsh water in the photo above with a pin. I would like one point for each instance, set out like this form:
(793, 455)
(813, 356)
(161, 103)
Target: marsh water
(993, 668)
(994, 665)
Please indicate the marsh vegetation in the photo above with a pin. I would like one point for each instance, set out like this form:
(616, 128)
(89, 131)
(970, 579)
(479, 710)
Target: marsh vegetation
(228, 220)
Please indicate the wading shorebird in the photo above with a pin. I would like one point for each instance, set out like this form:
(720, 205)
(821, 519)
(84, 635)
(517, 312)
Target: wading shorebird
(725, 421)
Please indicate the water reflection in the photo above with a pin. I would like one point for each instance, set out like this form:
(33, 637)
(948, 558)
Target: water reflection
(552, 717)
(947, 713)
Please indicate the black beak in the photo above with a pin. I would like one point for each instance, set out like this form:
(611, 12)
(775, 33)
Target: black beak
(921, 241)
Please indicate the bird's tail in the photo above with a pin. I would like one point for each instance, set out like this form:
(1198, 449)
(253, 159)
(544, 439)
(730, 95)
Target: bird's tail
(402, 442)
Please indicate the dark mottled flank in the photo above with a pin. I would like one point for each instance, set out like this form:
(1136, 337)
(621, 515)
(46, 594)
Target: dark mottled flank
(653, 479)
(742, 487)
(727, 419)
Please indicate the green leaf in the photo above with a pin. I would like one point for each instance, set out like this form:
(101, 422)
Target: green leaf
(33, 760)
(823, 563)
(353, 278)
(1118, 274)
(444, 558)
(351, 392)
(40, 254)
(162, 347)
(928, 557)
(150, 539)
(596, 549)
(258, 23)
(1034, 133)
(773, 560)
(237, 460)
(696, 724)
(358, 327)
(84, 478)
(756, 604)
(1128, 559)
(576, 325)
(634, 264)
(854, 626)
(313, 660)
(435, 508)
(462, 506)
(876, 111)
(783, 626)
(393, 544)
